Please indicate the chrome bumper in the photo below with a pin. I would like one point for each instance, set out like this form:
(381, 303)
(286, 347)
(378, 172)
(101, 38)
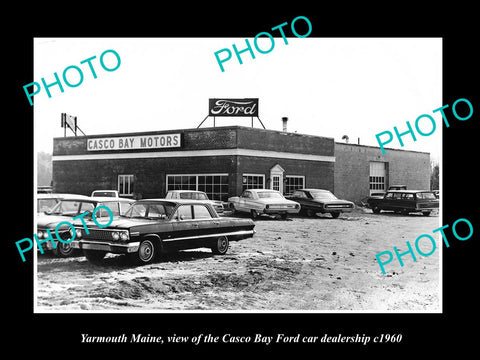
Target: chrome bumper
(106, 246)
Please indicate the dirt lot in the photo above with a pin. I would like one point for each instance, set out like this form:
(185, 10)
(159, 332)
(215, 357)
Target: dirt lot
(295, 264)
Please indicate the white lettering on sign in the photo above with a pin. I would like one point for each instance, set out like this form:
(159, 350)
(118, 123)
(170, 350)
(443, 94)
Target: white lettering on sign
(134, 142)
(232, 107)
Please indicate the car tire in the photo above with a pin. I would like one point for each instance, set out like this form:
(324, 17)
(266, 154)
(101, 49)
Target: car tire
(63, 250)
(284, 216)
(310, 213)
(147, 250)
(376, 210)
(426, 213)
(335, 214)
(253, 214)
(94, 256)
(221, 246)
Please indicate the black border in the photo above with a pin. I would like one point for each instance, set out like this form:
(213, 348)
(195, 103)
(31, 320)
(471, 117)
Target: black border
(428, 333)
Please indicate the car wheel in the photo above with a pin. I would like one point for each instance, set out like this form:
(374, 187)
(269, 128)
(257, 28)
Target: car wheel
(146, 252)
(335, 214)
(310, 213)
(221, 246)
(63, 250)
(284, 216)
(253, 214)
(426, 213)
(404, 212)
(94, 256)
(376, 210)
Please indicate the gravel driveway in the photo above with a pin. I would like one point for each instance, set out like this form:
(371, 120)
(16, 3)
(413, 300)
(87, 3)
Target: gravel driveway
(298, 264)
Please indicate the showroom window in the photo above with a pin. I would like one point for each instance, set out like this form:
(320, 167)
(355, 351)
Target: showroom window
(293, 183)
(253, 181)
(214, 185)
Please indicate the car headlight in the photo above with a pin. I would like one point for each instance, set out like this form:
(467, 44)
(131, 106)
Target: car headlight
(124, 236)
(79, 233)
(41, 234)
(115, 236)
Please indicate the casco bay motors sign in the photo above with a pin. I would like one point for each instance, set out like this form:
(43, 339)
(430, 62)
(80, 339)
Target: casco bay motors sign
(134, 142)
(233, 107)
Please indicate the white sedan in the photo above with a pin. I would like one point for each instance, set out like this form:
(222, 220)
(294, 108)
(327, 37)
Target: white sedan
(263, 201)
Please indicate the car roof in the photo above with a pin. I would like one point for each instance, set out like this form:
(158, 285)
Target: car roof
(267, 190)
(76, 197)
(184, 191)
(408, 191)
(51, 196)
(96, 198)
(175, 201)
(109, 198)
(314, 190)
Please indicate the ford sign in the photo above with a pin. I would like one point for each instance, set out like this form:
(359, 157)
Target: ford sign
(233, 107)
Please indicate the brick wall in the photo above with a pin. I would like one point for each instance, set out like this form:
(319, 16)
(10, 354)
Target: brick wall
(317, 174)
(249, 138)
(352, 169)
(84, 176)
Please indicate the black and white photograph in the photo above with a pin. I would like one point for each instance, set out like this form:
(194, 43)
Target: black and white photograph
(247, 191)
(265, 186)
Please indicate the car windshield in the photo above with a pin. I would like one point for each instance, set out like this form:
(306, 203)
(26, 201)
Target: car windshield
(150, 210)
(269, 194)
(71, 207)
(323, 195)
(426, 195)
(45, 204)
(193, 196)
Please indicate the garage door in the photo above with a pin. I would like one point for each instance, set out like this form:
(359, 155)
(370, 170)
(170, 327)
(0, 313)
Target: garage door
(377, 176)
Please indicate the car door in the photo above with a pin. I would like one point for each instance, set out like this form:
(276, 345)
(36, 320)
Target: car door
(207, 225)
(388, 202)
(190, 232)
(408, 201)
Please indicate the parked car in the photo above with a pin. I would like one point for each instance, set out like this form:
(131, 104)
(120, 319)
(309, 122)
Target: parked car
(263, 201)
(105, 193)
(406, 201)
(195, 195)
(314, 201)
(46, 201)
(66, 209)
(380, 194)
(153, 226)
(397, 187)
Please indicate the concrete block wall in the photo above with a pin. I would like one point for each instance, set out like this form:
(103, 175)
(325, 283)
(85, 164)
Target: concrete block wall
(352, 169)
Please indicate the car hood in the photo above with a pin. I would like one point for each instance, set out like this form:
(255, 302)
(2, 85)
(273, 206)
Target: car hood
(119, 222)
(51, 221)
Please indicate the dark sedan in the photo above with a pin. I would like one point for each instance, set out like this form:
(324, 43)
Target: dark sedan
(153, 226)
(314, 201)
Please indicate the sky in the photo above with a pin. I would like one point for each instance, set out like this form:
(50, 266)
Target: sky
(329, 87)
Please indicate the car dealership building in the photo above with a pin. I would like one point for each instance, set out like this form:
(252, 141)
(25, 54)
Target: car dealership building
(224, 161)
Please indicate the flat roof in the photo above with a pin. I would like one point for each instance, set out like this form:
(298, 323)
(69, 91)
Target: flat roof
(378, 147)
(168, 131)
